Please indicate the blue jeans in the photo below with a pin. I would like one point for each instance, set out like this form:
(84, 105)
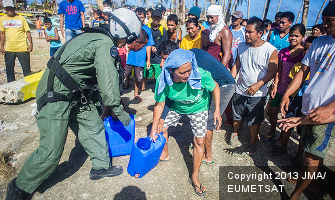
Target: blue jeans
(70, 33)
(226, 92)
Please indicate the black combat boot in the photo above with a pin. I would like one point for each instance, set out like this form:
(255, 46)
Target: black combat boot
(112, 171)
(15, 193)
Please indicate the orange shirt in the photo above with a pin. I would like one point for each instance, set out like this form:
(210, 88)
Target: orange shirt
(38, 24)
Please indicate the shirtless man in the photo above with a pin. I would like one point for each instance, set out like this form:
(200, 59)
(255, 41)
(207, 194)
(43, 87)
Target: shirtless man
(220, 33)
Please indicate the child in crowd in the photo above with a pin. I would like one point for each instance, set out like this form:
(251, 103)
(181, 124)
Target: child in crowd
(287, 58)
(193, 38)
(39, 27)
(51, 35)
(317, 30)
(294, 110)
(97, 15)
(174, 33)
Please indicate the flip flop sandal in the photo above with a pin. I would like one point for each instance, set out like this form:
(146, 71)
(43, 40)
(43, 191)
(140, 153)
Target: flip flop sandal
(231, 138)
(203, 193)
(207, 163)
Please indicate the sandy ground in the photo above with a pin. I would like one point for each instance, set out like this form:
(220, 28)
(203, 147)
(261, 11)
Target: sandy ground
(169, 180)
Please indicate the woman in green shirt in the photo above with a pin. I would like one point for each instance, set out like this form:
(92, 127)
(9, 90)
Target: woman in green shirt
(188, 87)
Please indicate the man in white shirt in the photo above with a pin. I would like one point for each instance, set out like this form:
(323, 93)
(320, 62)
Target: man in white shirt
(256, 62)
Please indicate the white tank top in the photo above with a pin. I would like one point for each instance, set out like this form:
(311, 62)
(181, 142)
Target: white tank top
(254, 66)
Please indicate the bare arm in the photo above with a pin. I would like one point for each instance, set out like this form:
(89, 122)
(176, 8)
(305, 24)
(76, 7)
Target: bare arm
(277, 78)
(236, 67)
(62, 24)
(158, 110)
(292, 122)
(272, 70)
(226, 41)
(148, 50)
(217, 114)
(3, 39)
(268, 39)
(30, 47)
(295, 84)
(46, 36)
(82, 16)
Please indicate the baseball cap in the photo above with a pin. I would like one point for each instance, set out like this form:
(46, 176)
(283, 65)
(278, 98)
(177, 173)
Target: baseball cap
(156, 13)
(8, 3)
(160, 7)
(238, 14)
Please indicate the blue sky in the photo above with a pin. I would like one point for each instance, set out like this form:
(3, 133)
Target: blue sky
(256, 7)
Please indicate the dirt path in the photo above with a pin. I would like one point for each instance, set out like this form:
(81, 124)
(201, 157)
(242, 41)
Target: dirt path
(169, 180)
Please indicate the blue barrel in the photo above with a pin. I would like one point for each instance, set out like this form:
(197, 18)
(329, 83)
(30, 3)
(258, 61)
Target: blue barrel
(145, 155)
(120, 139)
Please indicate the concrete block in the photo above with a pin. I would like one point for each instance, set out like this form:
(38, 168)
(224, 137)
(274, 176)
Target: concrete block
(20, 90)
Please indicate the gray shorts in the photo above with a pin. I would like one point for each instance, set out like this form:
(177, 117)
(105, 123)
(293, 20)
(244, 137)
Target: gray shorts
(198, 121)
(249, 108)
(226, 92)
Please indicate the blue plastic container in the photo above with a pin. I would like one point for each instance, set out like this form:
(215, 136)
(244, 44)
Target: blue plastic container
(145, 155)
(120, 138)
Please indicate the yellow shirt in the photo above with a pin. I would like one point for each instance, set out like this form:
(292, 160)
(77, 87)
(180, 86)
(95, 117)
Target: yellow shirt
(296, 67)
(163, 22)
(187, 43)
(15, 29)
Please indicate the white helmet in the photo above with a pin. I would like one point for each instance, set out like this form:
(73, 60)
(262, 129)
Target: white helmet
(124, 24)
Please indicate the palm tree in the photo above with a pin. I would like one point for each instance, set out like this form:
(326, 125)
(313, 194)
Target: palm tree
(305, 13)
(278, 6)
(228, 10)
(302, 5)
(100, 4)
(248, 9)
(317, 19)
(266, 9)
(183, 12)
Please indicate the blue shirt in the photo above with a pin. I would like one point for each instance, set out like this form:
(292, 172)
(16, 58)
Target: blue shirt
(95, 23)
(138, 58)
(71, 12)
(51, 34)
(279, 43)
(219, 72)
(238, 37)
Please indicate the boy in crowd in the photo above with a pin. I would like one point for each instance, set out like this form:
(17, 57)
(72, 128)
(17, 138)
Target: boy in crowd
(238, 32)
(317, 30)
(279, 37)
(51, 35)
(318, 102)
(256, 63)
(159, 35)
(15, 31)
(275, 24)
(140, 59)
(38, 23)
(73, 12)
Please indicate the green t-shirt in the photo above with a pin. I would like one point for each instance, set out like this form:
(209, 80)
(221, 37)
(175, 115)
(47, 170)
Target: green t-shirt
(185, 99)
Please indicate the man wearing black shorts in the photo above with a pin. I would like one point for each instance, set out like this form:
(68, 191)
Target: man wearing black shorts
(256, 63)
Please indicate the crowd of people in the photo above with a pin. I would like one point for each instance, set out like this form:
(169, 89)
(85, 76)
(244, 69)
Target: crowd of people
(248, 70)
